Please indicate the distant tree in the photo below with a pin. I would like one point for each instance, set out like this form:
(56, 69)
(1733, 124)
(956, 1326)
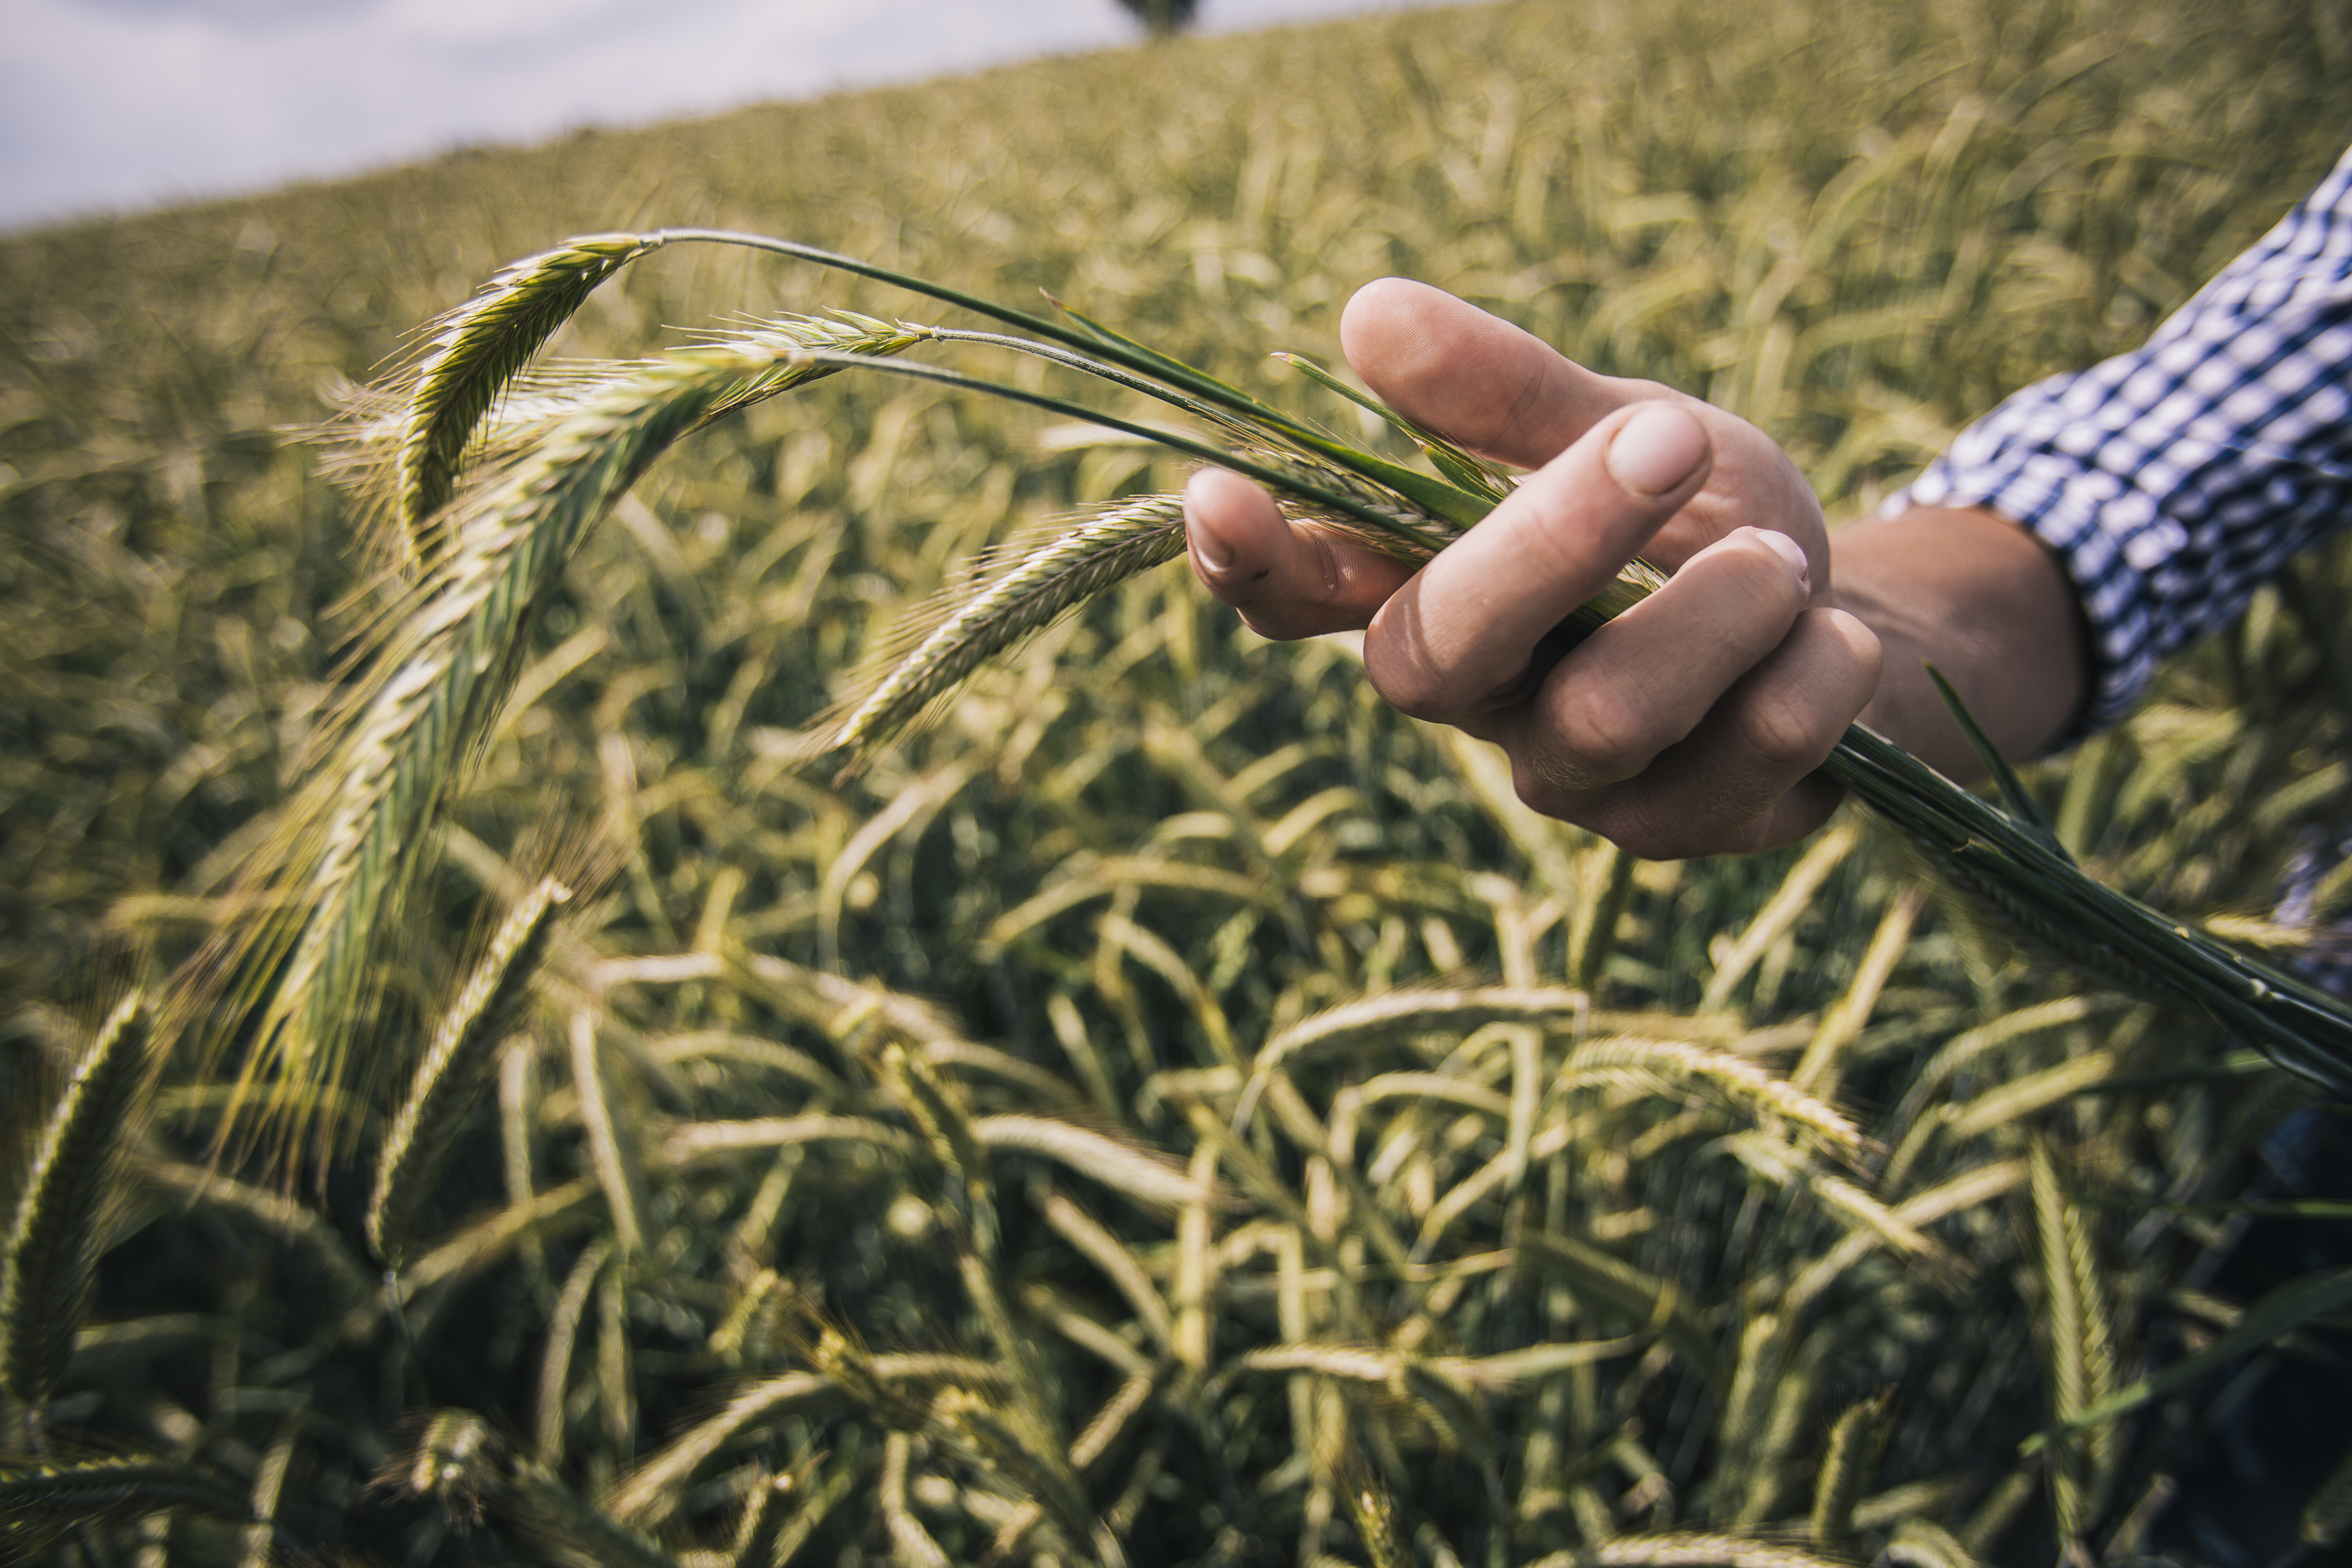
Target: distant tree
(1166, 18)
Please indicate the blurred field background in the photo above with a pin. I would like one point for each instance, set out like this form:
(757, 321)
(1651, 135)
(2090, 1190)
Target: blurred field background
(967, 1161)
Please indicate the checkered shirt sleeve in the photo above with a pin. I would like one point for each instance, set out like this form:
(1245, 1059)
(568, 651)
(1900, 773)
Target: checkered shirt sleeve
(2172, 480)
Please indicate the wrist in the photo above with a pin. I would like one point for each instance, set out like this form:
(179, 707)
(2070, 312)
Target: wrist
(1984, 602)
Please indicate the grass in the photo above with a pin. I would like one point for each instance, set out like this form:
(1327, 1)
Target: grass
(1172, 1109)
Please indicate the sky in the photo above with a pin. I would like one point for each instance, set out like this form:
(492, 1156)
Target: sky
(113, 105)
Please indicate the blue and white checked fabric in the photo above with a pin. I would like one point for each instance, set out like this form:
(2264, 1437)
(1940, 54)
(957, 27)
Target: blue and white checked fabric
(2172, 480)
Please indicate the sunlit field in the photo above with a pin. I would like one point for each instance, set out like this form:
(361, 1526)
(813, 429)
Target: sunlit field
(1169, 1109)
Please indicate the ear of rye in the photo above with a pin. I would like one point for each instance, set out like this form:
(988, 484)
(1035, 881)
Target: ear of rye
(473, 352)
(54, 1245)
(1011, 606)
(450, 1078)
(339, 869)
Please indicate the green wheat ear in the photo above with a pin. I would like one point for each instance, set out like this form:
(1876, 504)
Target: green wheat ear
(53, 1247)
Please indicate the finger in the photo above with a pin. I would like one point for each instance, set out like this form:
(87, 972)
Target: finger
(1746, 780)
(1286, 581)
(1650, 677)
(1460, 635)
(1451, 367)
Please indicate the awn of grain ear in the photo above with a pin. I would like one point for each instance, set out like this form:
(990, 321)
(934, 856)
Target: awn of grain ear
(53, 1247)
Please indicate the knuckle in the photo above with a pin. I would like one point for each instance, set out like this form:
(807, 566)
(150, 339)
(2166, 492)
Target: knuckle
(1864, 654)
(1760, 597)
(1786, 733)
(1609, 731)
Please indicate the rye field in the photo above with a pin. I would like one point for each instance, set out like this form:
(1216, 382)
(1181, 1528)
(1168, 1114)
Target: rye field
(1171, 1109)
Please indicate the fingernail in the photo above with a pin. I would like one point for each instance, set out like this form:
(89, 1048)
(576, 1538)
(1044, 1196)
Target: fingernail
(1213, 557)
(1789, 551)
(1656, 450)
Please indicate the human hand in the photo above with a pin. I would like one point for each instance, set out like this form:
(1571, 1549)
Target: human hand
(1692, 723)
